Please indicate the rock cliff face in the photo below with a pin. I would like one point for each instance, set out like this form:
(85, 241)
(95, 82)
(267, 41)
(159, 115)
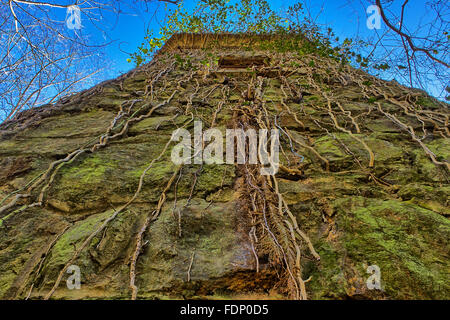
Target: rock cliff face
(89, 182)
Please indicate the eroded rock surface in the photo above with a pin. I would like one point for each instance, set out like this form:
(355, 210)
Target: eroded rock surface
(372, 189)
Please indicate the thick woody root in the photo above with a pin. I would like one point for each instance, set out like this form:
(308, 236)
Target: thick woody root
(78, 251)
(411, 131)
(275, 232)
(55, 166)
(389, 92)
(38, 267)
(272, 223)
(152, 217)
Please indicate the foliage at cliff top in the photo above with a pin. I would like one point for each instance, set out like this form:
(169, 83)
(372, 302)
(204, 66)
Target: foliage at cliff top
(409, 61)
(249, 17)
